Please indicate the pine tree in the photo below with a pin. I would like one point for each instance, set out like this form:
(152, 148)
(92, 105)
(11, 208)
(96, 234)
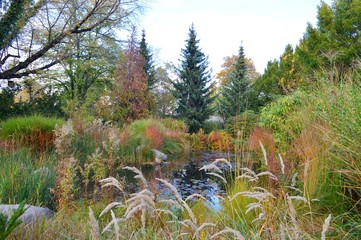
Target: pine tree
(234, 95)
(193, 90)
(148, 57)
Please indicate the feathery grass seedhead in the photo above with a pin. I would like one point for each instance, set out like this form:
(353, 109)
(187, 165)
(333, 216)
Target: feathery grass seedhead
(139, 175)
(94, 226)
(267, 173)
(115, 222)
(110, 206)
(264, 153)
(218, 176)
(111, 181)
(195, 195)
(252, 206)
(179, 199)
(325, 227)
(294, 180)
(223, 160)
(237, 235)
(282, 164)
(211, 167)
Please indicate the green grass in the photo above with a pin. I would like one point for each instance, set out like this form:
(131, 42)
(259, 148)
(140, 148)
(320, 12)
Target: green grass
(35, 131)
(29, 178)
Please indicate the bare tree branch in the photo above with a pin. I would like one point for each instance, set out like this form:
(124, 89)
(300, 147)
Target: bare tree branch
(98, 13)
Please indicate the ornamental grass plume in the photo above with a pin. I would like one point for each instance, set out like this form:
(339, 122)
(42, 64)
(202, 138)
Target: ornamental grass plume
(325, 227)
(94, 225)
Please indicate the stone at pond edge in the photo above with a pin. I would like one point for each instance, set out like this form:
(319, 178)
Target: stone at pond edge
(31, 214)
(159, 156)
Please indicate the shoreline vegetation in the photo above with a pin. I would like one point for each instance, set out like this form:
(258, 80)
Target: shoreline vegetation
(86, 111)
(299, 179)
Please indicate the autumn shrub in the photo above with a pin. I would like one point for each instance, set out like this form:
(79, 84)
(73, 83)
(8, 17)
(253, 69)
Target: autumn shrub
(198, 141)
(219, 141)
(35, 131)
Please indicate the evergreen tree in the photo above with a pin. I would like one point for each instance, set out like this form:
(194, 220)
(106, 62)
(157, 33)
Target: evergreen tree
(234, 94)
(193, 90)
(148, 66)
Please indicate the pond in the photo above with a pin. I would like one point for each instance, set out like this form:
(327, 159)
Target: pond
(183, 172)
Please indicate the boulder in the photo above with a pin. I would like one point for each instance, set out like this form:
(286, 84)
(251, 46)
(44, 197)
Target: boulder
(159, 156)
(32, 213)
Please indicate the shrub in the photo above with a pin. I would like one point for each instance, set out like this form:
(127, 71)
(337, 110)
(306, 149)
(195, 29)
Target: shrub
(219, 141)
(288, 116)
(35, 131)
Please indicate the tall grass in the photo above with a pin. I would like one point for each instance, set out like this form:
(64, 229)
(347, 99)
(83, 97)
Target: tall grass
(29, 178)
(35, 131)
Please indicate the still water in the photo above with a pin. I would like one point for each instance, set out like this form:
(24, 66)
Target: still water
(182, 171)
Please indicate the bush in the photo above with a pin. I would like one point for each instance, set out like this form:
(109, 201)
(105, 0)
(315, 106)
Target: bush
(219, 141)
(35, 131)
(286, 117)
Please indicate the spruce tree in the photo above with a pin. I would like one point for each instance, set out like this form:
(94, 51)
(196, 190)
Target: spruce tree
(234, 95)
(148, 57)
(193, 89)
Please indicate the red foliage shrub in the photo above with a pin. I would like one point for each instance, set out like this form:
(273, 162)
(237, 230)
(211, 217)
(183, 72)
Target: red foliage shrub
(219, 140)
(154, 136)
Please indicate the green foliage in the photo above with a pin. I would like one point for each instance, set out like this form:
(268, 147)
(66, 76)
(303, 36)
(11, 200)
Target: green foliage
(242, 124)
(44, 102)
(26, 177)
(210, 126)
(266, 88)
(193, 90)
(149, 64)
(8, 225)
(283, 117)
(7, 103)
(11, 20)
(235, 92)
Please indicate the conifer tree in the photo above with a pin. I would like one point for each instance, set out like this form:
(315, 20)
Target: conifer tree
(234, 95)
(193, 90)
(148, 57)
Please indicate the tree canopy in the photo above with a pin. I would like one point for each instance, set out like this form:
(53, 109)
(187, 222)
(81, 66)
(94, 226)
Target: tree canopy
(36, 36)
(193, 89)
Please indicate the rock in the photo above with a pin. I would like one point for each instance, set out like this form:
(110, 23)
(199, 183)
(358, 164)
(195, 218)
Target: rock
(159, 156)
(32, 213)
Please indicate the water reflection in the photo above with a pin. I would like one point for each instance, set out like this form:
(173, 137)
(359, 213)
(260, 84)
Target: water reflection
(182, 171)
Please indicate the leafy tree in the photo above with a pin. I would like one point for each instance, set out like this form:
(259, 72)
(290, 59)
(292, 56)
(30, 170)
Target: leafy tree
(149, 64)
(45, 28)
(228, 66)
(266, 88)
(234, 94)
(129, 98)
(193, 89)
(287, 70)
(335, 43)
(163, 97)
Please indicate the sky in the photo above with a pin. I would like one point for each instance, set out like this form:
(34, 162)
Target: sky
(264, 27)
